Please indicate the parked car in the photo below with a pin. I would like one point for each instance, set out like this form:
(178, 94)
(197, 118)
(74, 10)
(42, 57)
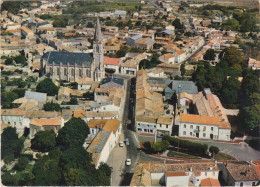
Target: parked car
(128, 162)
(127, 141)
(121, 144)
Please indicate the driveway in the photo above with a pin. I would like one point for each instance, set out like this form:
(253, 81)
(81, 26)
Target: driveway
(240, 151)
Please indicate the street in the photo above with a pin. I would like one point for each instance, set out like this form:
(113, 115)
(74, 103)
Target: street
(121, 174)
(240, 151)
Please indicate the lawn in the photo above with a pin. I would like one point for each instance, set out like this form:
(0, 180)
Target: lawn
(223, 156)
(181, 155)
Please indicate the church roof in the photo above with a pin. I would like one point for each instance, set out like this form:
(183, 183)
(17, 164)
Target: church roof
(65, 58)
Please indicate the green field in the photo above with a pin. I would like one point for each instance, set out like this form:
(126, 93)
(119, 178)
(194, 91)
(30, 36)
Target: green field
(181, 155)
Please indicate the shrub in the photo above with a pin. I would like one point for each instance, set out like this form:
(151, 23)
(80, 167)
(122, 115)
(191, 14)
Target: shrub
(22, 163)
(214, 149)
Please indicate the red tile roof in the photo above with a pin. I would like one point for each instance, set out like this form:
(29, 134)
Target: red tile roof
(111, 61)
(210, 182)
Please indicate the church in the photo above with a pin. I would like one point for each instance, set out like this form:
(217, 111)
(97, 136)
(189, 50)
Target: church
(67, 66)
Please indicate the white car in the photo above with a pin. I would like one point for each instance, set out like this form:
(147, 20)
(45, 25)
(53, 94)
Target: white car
(121, 144)
(128, 162)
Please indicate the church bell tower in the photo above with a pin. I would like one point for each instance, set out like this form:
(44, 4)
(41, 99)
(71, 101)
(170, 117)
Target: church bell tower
(97, 69)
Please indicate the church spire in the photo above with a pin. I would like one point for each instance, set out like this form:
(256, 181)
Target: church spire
(98, 37)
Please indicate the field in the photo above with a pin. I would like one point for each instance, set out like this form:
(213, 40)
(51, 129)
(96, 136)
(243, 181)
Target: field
(91, 6)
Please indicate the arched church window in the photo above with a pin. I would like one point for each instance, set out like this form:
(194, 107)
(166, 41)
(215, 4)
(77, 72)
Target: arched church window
(58, 71)
(51, 71)
(97, 49)
(72, 72)
(65, 71)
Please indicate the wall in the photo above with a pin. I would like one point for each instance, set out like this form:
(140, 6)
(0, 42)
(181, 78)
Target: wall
(193, 130)
(177, 181)
(224, 134)
(125, 69)
(141, 126)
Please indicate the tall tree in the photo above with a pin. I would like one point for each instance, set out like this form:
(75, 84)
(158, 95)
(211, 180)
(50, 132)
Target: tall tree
(177, 24)
(209, 55)
(74, 133)
(44, 141)
(47, 86)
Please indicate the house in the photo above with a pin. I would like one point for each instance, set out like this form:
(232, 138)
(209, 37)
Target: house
(112, 63)
(37, 125)
(105, 141)
(158, 173)
(180, 56)
(120, 13)
(167, 34)
(112, 83)
(253, 63)
(145, 43)
(88, 115)
(167, 58)
(129, 67)
(26, 31)
(85, 83)
(241, 173)
(204, 127)
(132, 40)
(65, 93)
(36, 96)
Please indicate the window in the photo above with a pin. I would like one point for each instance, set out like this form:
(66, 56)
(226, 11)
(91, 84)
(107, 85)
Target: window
(253, 184)
(21, 124)
(92, 131)
(15, 123)
(241, 183)
(138, 124)
(72, 72)
(145, 130)
(184, 126)
(212, 128)
(204, 134)
(167, 126)
(58, 71)
(198, 128)
(191, 126)
(80, 72)
(148, 125)
(206, 173)
(184, 132)
(160, 125)
(139, 129)
(151, 131)
(213, 173)
(191, 133)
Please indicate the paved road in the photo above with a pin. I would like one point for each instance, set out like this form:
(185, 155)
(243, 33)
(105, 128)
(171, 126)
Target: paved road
(240, 151)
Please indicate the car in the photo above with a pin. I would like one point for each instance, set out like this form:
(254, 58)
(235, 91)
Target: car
(127, 141)
(121, 144)
(128, 162)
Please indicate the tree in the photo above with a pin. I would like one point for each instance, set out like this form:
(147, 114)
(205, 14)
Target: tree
(144, 64)
(177, 24)
(209, 55)
(11, 145)
(75, 157)
(51, 107)
(7, 98)
(160, 146)
(47, 172)
(47, 86)
(250, 84)
(44, 141)
(238, 41)
(232, 56)
(73, 101)
(22, 163)
(213, 150)
(9, 61)
(90, 25)
(74, 132)
(20, 59)
(231, 24)
(122, 52)
(230, 90)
